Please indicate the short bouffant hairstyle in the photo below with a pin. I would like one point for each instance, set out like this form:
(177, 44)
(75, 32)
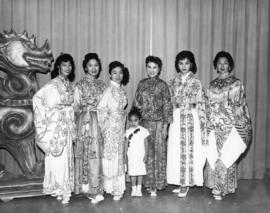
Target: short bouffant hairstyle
(188, 55)
(90, 56)
(125, 70)
(63, 57)
(153, 59)
(224, 54)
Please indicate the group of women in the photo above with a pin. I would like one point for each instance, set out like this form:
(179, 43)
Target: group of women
(195, 137)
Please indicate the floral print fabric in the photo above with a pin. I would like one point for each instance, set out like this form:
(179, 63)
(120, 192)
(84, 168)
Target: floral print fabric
(55, 130)
(112, 117)
(227, 109)
(89, 143)
(154, 101)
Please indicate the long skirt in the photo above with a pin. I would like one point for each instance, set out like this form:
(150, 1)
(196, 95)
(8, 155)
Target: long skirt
(186, 155)
(59, 172)
(221, 178)
(156, 157)
(221, 170)
(114, 175)
(88, 155)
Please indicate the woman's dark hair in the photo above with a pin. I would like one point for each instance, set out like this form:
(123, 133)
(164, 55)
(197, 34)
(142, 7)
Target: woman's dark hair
(155, 60)
(188, 55)
(134, 111)
(125, 70)
(63, 58)
(224, 54)
(88, 57)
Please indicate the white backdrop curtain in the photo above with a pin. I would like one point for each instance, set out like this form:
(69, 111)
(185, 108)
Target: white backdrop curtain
(130, 30)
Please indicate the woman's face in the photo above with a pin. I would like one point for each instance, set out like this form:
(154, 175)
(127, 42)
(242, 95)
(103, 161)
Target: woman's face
(65, 69)
(92, 67)
(184, 65)
(223, 66)
(152, 69)
(117, 75)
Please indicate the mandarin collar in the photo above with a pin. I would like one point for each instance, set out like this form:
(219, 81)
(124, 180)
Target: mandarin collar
(90, 78)
(113, 83)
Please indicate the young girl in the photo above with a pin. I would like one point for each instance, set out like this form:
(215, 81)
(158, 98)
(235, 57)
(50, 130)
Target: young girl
(136, 148)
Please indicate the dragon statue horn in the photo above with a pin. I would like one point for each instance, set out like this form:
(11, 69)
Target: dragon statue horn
(45, 45)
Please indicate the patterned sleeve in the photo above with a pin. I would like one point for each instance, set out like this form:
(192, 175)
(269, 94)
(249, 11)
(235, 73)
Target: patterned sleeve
(241, 116)
(201, 110)
(103, 109)
(77, 99)
(167, 104)
(138, 97)
(208, 106)
(42, 115)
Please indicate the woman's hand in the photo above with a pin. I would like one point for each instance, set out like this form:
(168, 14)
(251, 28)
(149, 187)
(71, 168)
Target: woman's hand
(145, 159)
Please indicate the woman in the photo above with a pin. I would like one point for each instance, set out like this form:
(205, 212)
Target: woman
(187, 133)
(55, 129)
(112, 118)
(229, 127)
(89, 143)
(154, 101)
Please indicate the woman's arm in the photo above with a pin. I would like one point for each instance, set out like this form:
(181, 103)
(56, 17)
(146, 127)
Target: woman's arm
(146, 149)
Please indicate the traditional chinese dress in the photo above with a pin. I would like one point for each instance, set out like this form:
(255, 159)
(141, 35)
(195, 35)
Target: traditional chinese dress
(154, 101)
(230, 132)
(55, 130)
(89, 143)
(187, 134)
(112, 118)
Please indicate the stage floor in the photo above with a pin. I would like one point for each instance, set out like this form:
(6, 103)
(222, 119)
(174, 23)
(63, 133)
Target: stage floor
(251, 196)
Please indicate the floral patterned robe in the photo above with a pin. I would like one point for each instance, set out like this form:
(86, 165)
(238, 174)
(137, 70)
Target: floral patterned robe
(228, 111)
(89, 143)
(154, 101)
(187, 134)
(112, 117)
(55, 130)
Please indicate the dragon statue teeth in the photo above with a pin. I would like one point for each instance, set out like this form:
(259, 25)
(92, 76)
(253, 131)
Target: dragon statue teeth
(20, 60)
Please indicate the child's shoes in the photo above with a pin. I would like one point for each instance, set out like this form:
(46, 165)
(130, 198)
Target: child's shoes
(134, 191)
(139, 190)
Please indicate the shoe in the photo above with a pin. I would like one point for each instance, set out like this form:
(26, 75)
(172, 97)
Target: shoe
(59, 197)
(139, 191)
(217, 194)
(183, 192)
(153, 193)
(177, 190)
(96, 199)
(85, 188)
(217, 197)
(65, 200)
(117, 197)
(133, 193)
(54, 195)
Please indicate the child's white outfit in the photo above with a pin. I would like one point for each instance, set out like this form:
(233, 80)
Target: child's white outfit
(136, 150)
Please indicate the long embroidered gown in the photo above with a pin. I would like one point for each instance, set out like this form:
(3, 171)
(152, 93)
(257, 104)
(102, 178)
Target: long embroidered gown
(89, 143)
(112, 118)
(154, 101)
(55, 130)
(187, 134)
(230, 132)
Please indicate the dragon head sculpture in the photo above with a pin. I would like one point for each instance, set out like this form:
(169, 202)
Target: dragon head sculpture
(20, 60)
(21, 52)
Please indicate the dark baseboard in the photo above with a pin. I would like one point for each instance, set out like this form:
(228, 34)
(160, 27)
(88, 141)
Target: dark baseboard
(267, 177)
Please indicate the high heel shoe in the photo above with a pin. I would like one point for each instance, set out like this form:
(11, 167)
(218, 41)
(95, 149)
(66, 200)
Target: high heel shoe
(183, 192)
(65, 200)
